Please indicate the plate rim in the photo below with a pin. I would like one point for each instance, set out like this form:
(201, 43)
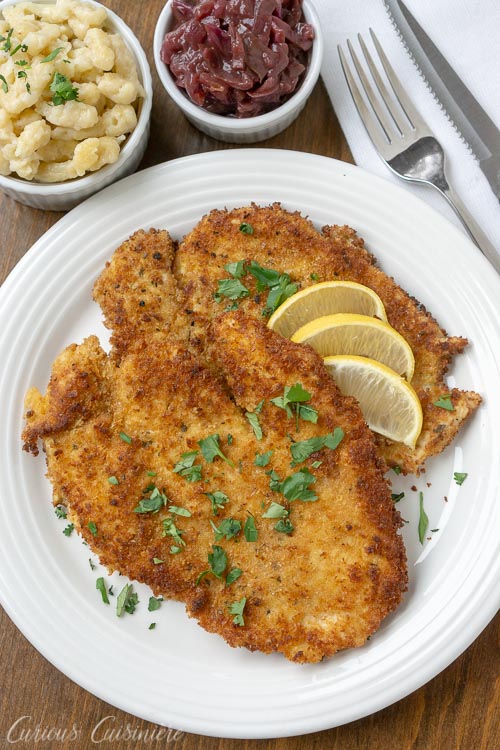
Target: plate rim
(487, 612)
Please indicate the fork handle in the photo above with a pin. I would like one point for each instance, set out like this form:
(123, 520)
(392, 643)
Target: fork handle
(473, 229)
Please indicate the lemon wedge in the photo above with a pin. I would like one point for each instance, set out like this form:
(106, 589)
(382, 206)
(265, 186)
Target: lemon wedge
(389, 404)
(361, 335)
(325, 298)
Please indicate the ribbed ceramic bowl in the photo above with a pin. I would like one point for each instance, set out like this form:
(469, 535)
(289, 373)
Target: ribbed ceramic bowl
(61, 196)
(232, 129)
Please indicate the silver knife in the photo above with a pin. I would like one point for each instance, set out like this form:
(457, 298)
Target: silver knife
(475, 126)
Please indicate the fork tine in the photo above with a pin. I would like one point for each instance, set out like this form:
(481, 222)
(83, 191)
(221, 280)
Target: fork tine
(380, 113)
(387, 98)
(405, 102)
(366, 115)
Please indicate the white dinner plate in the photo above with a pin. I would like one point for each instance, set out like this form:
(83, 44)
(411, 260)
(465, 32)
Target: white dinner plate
(177, 674)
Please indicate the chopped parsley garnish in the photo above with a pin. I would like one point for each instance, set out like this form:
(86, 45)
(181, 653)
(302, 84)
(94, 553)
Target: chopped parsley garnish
(69, 529)
(275, 510)
(23, 74)
(61, 511)
(127, 601)
(296, 486)
(178, 511)
(314, 277)
(218, 500)
(460, 477)
(279, 284)
(154, 603)
(284, 526)
(279, 294)
(253, 420)
(228, 528)
(231, 288)
(396, 469)
(303, 449)
(229, 439)
(246, 228)
(266, 278)
(174, 550)
(250, 530)
(423, 521)
(152, 626)
(126, 438)
(153, 503)
(113, 480)
(237, 270)
(92, 566)
(444, 402)
(101, 586)
(293, 401)
(92, 528)
(397, 497)
(170, 529)
(62, 89)
(237, 609)
(22, 47)
(52, 55)
(210, 448)
(5, 85)
(187, 468)
(262, 459)
(151, 473)
(131, 603)
(7, 41)
(217, 559)
(157, 561)
(233, 576)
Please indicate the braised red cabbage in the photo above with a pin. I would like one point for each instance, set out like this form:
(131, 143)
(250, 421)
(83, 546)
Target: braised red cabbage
(238, 57)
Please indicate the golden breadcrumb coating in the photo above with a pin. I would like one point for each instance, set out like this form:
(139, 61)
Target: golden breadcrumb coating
(131, 415)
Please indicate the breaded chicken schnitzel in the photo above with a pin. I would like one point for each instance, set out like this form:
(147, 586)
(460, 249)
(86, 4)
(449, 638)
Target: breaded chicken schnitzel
(289, 243)
(251, 490)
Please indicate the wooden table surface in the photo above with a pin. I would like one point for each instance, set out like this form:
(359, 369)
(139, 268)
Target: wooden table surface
(459, 709)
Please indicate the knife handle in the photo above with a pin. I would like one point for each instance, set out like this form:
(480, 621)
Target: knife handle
(472, 227)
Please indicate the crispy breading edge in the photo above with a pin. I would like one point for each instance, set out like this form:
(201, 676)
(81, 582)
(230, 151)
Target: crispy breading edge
(60, 409)
(140, 299)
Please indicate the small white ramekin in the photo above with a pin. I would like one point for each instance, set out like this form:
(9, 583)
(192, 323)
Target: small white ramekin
(233, 129)
(61, 196)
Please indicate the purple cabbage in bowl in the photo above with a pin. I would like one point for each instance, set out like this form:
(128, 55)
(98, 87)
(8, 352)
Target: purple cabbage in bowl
(239, 58)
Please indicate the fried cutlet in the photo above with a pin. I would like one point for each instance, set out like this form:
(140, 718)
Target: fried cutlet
(289, 243)
(306, 591)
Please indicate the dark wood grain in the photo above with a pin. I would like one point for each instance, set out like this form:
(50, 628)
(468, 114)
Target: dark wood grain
(457, 710)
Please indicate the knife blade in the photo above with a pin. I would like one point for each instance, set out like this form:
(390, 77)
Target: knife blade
(470, 119)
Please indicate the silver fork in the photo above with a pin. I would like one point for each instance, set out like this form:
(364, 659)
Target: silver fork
(402, 138)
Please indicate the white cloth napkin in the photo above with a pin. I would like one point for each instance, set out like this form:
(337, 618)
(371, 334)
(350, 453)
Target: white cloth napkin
(467, 32)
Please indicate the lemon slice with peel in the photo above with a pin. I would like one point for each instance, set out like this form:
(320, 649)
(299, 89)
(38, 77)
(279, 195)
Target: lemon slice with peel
(361, 335)
(325, 298)
(389, 404)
